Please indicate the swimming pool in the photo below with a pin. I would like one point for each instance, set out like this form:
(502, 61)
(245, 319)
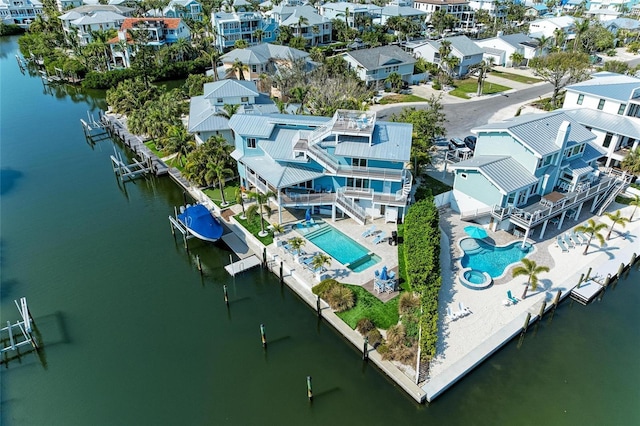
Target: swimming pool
(342, 248)
(484, 257)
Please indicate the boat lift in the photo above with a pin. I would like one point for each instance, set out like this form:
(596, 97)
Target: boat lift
(95, 130)
(129, 171)
(20, 333)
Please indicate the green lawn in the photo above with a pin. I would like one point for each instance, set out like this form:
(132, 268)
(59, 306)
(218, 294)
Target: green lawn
(470, 85)
(435, 185)
(229, 193)
(383, 315)
(396, 99)
(516, 77)
(254, 227)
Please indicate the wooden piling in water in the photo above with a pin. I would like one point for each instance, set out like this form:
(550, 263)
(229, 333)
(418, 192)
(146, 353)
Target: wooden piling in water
(556, 300)
(264, 257)
(588, 274)
(226, 295)
(263, 335)
(365, 350)
(318, 306)
(542, 308)
(281, 276)
(580, 280)
(526, 323)
(199, 263)
(620, 271)
(309, 390)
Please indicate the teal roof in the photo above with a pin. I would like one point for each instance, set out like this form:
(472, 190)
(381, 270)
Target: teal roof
(503, 172)
(608, 85)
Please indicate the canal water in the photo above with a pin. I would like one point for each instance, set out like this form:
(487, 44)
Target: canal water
(134, 335)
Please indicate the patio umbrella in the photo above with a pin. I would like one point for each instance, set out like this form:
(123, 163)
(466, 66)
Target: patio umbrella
(383, 274)
(307, 215)
(475, 232)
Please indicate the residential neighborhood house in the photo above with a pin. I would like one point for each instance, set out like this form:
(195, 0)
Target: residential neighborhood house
(462, 48)
(373, 66)
(501, 47)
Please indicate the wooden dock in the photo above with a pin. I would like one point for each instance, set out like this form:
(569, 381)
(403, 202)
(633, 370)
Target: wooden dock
(586, 292)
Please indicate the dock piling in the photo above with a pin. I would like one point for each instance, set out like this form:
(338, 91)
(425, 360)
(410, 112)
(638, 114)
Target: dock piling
(199, 263)
(281, 267)
(365, 350)
(226, 295)
(526, 323)
(580, 280)
(309, 390)
(542, 308)
(318, 307)
(264, 257)
(263, 335)
(620, 271)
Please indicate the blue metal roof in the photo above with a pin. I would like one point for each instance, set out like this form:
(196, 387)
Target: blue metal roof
(391, 141)
(608, 85)
(503, 172)
(614, 123)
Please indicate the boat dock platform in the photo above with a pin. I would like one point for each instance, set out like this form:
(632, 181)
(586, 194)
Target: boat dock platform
(247, 260)
(20, 333)
(134, 142)
(586, 292)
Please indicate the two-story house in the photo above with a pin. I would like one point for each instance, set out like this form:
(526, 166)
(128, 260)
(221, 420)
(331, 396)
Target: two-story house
(533, 170)
(609, 105)
(20, 12)
(262, 58)
(462, 48)
(207, 115)
(501, 47)
(374, 65)
(191, 9)
(381, 16)
(160, 32)
(547, 26)
(459, 9)
(80, 23)
(349, 163)
(353, 14)
(230, 27)
(305, 22)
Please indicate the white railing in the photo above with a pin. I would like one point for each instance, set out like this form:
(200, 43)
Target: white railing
(262, 187)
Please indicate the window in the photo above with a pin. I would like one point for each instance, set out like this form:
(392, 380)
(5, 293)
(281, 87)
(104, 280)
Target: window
(607, 140)
(244, 99)
(601, 104)
(251, 142)
(358, 183)
(580, 99)
(463, 175)
(359, 162)
(621, 109)
(220, 100)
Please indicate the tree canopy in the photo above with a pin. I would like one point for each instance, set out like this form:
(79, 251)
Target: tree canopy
(561, 69)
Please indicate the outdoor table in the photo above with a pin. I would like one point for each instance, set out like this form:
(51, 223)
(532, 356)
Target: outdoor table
(552, 199)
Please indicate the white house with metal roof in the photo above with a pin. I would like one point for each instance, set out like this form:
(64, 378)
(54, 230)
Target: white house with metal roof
(462, 47)
(207, 115)
(459, 9)
(263, 58)
(230, 27)
(20, 12)
(503, 46)
(609, 105)
(313, 27)
(353, 14)
(350, 162)
(533, 169)
(546, 26)
(374, 65)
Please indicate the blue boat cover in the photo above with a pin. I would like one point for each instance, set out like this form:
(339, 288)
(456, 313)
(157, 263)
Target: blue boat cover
(201, 223)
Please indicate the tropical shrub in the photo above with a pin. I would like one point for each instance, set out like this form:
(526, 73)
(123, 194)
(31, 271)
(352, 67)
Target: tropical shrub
(324, 286)
(375, 338)
(340, 298)
(364, 326)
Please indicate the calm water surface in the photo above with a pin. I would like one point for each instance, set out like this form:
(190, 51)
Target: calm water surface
(133, 335)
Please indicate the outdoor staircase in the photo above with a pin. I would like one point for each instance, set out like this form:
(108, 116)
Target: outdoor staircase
(352, 210)
(407, 182)
(609, 196)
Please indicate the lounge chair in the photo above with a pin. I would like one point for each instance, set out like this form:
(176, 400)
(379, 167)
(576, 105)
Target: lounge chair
(561, 244)
(568, 241)
(368, 232)
(582, 235)
(463, 309)
(451, 315)
(511, 298)
(378, 239)
(577, 239)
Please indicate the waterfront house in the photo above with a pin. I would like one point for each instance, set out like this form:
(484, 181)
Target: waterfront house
(305, 22)
(353, 14)
(501, 47)
(381, 16)
(374, 65)
(20, 12)
(190, 9)
(609, 105)
(462, 47)
(547, 26)
(263, 58)
(161, 31)
(349, 163)
(533, 170)
(207, 115)
(230, 27)
(80, 23)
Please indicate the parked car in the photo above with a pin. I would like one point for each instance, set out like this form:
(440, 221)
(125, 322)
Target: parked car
(456, 143)
(470, 142)
(439, 141)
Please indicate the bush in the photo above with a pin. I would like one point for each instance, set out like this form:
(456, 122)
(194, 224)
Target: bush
(375, 338)
(436, 85)
(10, 29)
(324, 286)
(383, 350)
(108, 79)
(633, 47)
(408, 303)
(340, 298)
(364, 326)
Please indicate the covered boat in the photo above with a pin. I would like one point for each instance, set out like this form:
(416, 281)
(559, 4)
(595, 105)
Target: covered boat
(201, 223)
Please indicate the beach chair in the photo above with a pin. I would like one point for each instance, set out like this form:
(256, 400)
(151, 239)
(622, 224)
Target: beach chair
(561, 244)
(511, 298)
(390, 286)
(567, 241)
(463, 309)
(451, 315)
(582, 235)
(368, 232)
(577, 239)
(381, 236)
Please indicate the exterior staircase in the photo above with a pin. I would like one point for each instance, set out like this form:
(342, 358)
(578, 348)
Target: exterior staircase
(609, 196)
(352, 210)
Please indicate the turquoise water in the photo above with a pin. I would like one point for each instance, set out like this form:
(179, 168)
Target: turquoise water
(491, 259)
(134, 335)
(342, 248)
(474, 277)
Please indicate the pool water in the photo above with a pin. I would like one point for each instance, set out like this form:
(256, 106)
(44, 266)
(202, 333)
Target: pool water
(474, 277)
(488, 258)
(342, 248)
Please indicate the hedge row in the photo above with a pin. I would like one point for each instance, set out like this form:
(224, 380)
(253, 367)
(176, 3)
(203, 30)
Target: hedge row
(422, 255)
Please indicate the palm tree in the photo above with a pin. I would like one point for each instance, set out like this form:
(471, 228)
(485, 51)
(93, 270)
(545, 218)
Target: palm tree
(516, 58)
(258, 34)
(240, 200)
(615, 219)
(302, 20)
(180, 141)
(635, 203)
(277, 228)
(296, 244)
(558, 39)
(580, 28)
(318, 262)
(593, 229)
(228, 110)
(261, 199)
(542, 44)
(237, 69)
(298, 96)
(217, 166)
(482, 67)
(631, 163)
(213, 55)
(395, 80)
(530, 269)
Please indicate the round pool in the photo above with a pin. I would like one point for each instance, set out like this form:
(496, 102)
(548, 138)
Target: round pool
(474, 279)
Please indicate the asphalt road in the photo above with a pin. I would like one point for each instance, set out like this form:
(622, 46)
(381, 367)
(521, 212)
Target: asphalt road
(463, 116)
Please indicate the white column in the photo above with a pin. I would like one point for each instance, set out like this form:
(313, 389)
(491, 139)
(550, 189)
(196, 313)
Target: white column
(544, 228)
